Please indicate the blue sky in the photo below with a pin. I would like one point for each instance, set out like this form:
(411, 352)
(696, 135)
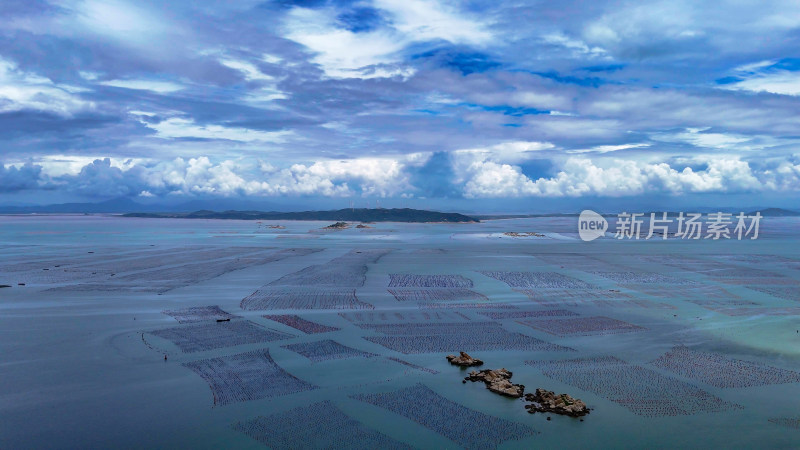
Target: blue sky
(479, 103)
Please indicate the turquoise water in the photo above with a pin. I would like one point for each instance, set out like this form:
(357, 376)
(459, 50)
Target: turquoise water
(80, 367)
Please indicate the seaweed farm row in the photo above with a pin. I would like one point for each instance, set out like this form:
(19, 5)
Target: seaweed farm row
(319, 425)
(444, 337)
(96, 271)
(750, 312)
(437, 325)
(326, 350)
(582, 326)
(199, 314)
(114, 256)
(298, 323)
(461, 305)
(437, 295)
(523, 314)
(643, 391)
(637, 278)
(466, 427)
(429, 281)
(413, 366)
(684, 292)
(573, 261)
(213, 335)
(783, 292)
(301, 297)
(166, 278)
(536, 280)
(436, 291)
(324, 286)
(246, 376)
(600, 298)
(405, 316)
(722, 372)
(348, 270)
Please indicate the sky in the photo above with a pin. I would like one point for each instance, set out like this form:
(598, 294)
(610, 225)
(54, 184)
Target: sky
(484, 105)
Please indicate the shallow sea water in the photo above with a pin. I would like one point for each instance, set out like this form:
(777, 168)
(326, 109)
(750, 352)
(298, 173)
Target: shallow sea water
(80, 367)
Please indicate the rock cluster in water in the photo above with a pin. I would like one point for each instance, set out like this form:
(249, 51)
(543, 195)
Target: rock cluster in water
(338, 226)
(497, 381)
(464, 360)
(549, 402)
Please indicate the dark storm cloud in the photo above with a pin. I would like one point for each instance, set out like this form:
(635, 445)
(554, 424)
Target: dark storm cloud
(18, 178)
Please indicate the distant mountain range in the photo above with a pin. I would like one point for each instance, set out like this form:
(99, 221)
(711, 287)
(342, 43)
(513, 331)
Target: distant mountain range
(341, 215)
(119, 205)
(768, 212)
(246, 208)
(776, 212)
(126, 205)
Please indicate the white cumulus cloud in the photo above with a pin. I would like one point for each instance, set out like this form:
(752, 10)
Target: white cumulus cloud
(581, 177)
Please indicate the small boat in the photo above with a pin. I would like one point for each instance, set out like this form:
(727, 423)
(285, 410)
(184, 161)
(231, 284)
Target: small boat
(224, 320)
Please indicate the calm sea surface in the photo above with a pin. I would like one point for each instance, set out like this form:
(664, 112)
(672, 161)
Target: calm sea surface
(672, 343)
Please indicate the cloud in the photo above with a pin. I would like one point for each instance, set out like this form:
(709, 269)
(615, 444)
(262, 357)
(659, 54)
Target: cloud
(773, 76)
(699, 137)
(434, 20)
(124, 21)
(368, 177)
(160, 87)
(583, 177)
(782, 82)
(176, 127)
(400, 97)
(100, 178)
(610, 148)
(250, 71)
(266, 89)
(578, 48)
(14, 179)
(454, 175)
(647, 30)
(21, 90)
(381, 177)
(512, 151)
(785, 177)
(376, 51)
(340, 52)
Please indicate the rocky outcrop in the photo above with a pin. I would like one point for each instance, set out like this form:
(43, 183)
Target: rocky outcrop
(550, 402)
(338, 226)
(497, 381)
(464, 360)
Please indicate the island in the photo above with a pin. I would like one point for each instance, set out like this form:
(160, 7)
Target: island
(341, 215)
(464, 360)
(549, 402)
(497, 381)
(337, 226)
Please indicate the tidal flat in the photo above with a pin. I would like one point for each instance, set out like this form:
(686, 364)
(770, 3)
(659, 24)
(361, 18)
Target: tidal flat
(172, 333)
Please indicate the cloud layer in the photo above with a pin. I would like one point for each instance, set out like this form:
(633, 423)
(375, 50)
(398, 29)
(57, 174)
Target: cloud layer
(398, 99)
